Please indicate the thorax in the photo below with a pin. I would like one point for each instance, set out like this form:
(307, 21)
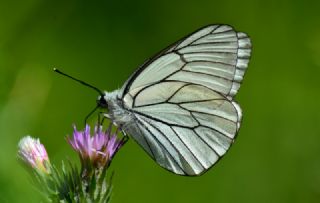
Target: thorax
(116, 112)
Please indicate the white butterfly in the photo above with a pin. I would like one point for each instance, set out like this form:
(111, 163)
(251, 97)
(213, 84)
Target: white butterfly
(178, 106)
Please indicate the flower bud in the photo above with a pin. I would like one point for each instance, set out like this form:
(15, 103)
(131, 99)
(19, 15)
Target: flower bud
(33, 154)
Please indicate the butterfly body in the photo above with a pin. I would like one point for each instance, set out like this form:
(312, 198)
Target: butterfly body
(178, 106)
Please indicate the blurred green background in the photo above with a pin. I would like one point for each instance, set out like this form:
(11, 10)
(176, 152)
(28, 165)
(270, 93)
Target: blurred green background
(276, 155)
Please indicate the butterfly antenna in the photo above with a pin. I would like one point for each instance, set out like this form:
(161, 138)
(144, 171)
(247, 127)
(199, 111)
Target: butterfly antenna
(80, 81)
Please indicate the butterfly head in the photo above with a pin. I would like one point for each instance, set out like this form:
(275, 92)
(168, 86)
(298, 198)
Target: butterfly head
(102, 102)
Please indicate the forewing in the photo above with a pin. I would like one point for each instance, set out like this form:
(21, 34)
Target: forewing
(215, 56)
(185, 128)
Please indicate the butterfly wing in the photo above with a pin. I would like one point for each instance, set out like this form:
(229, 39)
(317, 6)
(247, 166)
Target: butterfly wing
(215, 56)
(185, 118)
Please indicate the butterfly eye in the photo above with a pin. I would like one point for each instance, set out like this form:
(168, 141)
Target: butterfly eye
(102, 102)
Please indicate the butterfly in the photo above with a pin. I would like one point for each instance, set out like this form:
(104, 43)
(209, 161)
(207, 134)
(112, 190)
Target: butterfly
(178, 106)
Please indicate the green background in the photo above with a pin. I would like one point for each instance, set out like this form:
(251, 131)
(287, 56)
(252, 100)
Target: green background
(276, 155)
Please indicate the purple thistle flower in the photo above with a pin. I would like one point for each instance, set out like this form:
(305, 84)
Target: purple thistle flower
(97, 150)
(34, 154)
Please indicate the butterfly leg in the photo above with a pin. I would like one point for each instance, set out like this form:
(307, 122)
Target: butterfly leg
(119, 127)
(87, 117)
(125, 137)
(101, 120)
(105, 115)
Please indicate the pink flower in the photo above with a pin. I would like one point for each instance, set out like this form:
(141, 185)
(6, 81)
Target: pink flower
(96, 150)
(34, 154)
